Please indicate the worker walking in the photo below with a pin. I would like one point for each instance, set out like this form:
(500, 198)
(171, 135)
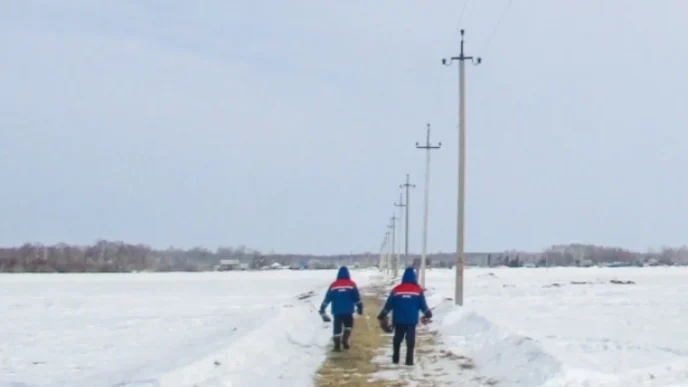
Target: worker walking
(405, 302)
(344, 296)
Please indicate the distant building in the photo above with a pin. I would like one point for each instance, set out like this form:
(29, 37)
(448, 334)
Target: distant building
(315, 264)
(278, 266)
(229, 264)
(417, 261)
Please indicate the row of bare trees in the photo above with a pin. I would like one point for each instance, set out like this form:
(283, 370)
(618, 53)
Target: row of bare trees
(113, 256)
(116, 256)
(580, 254)
(569, 255)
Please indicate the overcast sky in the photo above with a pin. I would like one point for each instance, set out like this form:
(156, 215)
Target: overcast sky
(289, 125)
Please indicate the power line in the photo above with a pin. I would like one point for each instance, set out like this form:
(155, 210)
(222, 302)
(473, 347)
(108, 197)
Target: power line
(499, 22)
(463, 9)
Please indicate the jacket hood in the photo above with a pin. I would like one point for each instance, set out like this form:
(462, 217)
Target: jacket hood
(343, 273)
(409, 276)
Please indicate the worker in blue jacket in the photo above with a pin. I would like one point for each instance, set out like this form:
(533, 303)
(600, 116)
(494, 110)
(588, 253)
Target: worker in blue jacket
(405, 302)
(344, 296)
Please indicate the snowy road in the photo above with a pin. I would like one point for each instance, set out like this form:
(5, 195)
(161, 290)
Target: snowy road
(168, 330)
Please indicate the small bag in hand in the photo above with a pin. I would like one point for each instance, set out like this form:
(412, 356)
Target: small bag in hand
(385, 325)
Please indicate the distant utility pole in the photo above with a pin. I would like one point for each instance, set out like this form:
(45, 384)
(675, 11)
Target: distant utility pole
(460, 254)
(407, 185)
(428, 147)
(392, 226)
(382, 252)
(401, 204)
(385, 252)
(388, 256)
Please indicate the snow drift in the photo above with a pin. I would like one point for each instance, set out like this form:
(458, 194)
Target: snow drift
(520, 333)
(507, 357)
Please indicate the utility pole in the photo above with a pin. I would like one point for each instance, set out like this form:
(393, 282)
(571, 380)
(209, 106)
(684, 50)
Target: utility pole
(428, 147)
(460, 221)
(388, 255)
(382, 252)
(385, 252)
(393, 228)
(401, 204)
(407, 185)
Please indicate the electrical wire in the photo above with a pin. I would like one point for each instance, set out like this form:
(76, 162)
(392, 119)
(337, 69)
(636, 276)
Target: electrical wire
(499, 22)
(463, 10)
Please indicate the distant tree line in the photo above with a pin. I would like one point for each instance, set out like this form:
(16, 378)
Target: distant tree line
(115, 256)
(588, 255)
(571, 255)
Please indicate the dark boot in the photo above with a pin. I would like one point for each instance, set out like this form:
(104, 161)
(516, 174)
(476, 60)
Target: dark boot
(395, 356)
(409, 352)
(410, 345)
(409, 358)
(345, 338)
(399, 332)
(337, 342)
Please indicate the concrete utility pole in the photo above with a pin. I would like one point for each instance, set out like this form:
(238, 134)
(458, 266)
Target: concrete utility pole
(388, 256)
(381, 264)
(401, 204)
(428, 147)
(460, 254)
(407, 185)
(393, 228)
(385, 253)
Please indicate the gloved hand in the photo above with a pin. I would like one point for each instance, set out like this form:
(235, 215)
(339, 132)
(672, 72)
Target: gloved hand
(359, 309)
(425, 320)
(385, 325)
(381, 316)
(324, 316)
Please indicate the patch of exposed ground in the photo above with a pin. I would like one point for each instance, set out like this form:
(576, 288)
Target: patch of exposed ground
(355, 366)
(434, 365)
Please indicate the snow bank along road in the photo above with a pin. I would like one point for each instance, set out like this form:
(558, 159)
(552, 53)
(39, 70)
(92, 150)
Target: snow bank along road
(165, 330)
(568, 326)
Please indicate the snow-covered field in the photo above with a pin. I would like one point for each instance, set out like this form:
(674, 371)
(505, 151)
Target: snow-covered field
(164, 330)
(522, 332)
(250, 329)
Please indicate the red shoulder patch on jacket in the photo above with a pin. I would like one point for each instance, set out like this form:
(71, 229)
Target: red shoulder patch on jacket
(342, 284)
(407, 289)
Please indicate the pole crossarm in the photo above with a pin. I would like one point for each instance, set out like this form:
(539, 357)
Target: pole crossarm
(462, 57)
(401, 201)
(428, 145)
